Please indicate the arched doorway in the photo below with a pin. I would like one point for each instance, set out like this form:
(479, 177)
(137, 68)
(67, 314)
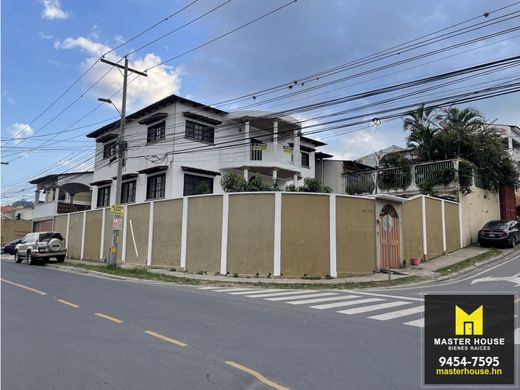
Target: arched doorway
(391, 235)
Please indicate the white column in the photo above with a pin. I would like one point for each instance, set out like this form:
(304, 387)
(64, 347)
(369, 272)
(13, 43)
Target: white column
(150, 234)
(82, 253)
(36, 197)
(224, 237)
(125, 227)
(275, 175)
(277, 233)
(56, 194)
(461, 230)
(332, 235)
(296, 149)
(275, 140)
(247, 142)
(246, 173)
(184, 232)
(102, 238)
(67, 232)
(424, 235)
(295, 179)
(443, 224)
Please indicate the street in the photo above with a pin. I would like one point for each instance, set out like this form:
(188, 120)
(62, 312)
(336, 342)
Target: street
(63, 330)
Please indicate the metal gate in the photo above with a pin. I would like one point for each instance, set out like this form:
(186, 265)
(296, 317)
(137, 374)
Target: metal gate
(391, 235)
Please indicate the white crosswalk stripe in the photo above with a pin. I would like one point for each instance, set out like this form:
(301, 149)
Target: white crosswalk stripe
(271, 294)
(248, 292)
(234, 289)
(419, 323)
(303, 296)
(318, 300)
(380, 306)
(398, 313)
(347, 303)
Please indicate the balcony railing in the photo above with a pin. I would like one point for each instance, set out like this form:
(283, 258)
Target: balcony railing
(419, 178)
(258, 152)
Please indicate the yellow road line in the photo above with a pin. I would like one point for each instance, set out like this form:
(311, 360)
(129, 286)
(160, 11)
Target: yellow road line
(24, 287)
(68, 303)
(168, 339)
(113, 319)
(257, 375)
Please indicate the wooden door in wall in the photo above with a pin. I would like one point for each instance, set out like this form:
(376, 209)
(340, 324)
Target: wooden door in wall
(392, 236)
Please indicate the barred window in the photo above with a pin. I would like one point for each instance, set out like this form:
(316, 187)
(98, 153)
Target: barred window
(156, 186)
(199, 132)
(305, 160)
(109, 150)
(103, 199)
(196, 185)
(156, 132)
(128, 192)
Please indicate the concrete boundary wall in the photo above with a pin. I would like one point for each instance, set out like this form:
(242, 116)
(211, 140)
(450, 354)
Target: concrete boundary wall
(265, 233)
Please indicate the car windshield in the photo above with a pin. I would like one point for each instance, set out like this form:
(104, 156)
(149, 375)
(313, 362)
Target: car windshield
(48, 236)
(496, 225)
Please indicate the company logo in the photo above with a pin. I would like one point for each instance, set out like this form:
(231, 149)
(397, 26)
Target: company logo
(469, 324)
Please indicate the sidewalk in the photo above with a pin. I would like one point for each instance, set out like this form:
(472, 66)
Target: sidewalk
(426, 270)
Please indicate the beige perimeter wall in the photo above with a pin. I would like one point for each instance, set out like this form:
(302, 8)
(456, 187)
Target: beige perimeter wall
(250, 247)
(412, 229)
(204, 234)
(355, 236)
(451, 212)
(138, 216)
(15, 228)
(75, 235)
(92, 234)
(477, 208)
(167, 231)
(305, 235)
(434, 227)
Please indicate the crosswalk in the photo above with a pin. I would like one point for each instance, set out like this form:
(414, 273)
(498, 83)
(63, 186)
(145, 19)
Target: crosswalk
(377, 307)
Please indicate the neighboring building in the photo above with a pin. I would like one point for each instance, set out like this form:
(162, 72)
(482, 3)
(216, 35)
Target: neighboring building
(510, 195)
(332, 172)
(511, 134)
(373, 159)
(177, 147)
(62, 193)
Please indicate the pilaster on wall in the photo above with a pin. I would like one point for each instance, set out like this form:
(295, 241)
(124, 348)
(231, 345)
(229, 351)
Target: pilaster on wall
(150, 234)
(184, 232)
(102, 238)
(277, 233)
(125, 228)
(443, 226)
(67, 232)
(224, 237)
(424, 233)
(332, 235)
(83, 226)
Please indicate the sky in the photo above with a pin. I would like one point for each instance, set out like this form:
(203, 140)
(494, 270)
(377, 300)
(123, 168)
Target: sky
(215, 50)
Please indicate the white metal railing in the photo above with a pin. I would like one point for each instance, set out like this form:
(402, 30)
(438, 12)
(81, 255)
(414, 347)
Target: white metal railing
(260, 152)
(396, 180)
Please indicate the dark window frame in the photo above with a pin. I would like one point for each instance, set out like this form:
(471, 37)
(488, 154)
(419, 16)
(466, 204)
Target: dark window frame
(152, 190)
(110, 149)
(192, 181)
(308, 157)
(104, 200)
(199, 132)
(128, 189)
(156, 132)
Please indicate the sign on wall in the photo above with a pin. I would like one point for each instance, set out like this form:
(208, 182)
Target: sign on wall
(117, 210)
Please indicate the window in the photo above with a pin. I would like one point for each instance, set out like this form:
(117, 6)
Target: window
(103, 198)
(305, 160)
(128, 192)
(199, 132)
(109, 150)
(156, 132)
(196, 185)
(155, 186)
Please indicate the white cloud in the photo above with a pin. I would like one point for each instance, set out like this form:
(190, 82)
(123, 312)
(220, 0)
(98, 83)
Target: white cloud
(52, 10)
(42, 35)
(19, 131)
(161, 81)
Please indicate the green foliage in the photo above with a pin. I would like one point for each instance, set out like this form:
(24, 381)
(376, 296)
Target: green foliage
(291, 188)
(360, 184)
(231, 182)
(465, 176)
(398, 177)
(202, 188)
(314, 185)
(256, 184)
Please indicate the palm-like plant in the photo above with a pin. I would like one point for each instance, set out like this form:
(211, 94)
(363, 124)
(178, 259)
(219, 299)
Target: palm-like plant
(422, 126)
(462, 124)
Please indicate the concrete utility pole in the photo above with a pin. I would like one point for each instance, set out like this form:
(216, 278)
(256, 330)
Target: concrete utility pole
(120, 156)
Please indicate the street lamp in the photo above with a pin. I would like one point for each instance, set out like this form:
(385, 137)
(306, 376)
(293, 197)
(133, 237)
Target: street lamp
(109, 101)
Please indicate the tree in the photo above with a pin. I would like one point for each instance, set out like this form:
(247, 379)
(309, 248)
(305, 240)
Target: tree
(458, 128)
(423, 127)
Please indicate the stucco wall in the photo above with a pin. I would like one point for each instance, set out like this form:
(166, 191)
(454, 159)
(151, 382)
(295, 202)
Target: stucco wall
(15, 228)
(60, 224)
(355, 236)
(250, 247)
(204, 234)
(75, 235)
(412, 229)
(138, 216)
(434, 227)
(107, 241)
(305, 235)
(477, 208)
(451, 213)
(92, 234)
(167, 231)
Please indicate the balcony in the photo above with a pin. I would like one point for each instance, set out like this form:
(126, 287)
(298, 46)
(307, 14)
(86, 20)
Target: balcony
(436, 176)
(262, 155)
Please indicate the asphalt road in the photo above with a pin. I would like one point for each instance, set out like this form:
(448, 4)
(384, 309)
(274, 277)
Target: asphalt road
(75, 331)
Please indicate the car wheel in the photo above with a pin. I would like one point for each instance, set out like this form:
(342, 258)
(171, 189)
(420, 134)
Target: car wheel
(60, 259)
(17, 257)
(512, 242)
(30, 259)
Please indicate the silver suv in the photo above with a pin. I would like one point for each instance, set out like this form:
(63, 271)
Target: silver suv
(41, 246)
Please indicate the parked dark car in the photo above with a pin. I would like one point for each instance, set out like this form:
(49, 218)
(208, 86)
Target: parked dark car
(10, 246)
(497, 233)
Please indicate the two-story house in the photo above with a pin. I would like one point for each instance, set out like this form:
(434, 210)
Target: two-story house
(178, 147)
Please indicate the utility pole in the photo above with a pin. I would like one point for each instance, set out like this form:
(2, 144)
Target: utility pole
(120, 156)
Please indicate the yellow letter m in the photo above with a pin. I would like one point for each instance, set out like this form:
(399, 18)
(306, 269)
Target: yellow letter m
(469, 324)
